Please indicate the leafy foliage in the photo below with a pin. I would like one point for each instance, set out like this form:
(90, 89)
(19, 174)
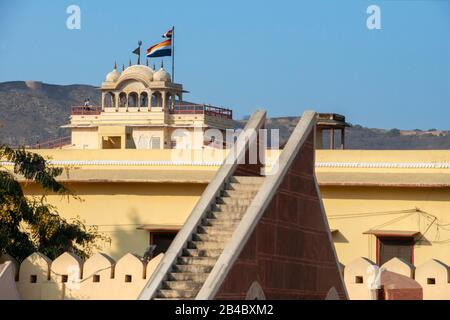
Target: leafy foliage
(29, 224)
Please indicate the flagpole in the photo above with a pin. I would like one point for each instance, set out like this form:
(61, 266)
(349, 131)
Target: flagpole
(173, 53)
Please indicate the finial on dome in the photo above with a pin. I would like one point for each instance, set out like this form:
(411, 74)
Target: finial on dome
(129, 62)
(146, 62)
(115, 65)
(162, 64)
(123, 67)
(154, 67)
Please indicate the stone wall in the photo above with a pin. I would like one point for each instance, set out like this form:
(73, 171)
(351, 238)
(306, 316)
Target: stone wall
(69, 278)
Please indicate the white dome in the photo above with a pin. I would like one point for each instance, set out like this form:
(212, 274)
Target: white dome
(161, 75)
(138, 70)
(112, 76)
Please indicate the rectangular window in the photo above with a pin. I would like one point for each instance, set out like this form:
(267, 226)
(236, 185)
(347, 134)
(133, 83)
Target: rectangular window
(155, 143)
(162, 240)
(111, 142)
(392, 247)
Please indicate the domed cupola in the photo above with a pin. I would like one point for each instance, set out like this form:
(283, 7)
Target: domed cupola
(113, 75)
(161, 75)
(138, 71)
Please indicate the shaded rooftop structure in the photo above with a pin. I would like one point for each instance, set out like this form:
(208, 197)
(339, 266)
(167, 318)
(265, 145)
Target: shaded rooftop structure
(329, 123)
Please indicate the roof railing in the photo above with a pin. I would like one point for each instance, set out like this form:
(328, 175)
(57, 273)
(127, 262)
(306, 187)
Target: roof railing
(52, 144)
(86, 110)
(202, 109)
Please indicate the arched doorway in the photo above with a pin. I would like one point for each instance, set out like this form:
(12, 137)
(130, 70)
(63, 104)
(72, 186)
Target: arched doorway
(132, 100)
(144, 100)
(122, 100)
(109, 100)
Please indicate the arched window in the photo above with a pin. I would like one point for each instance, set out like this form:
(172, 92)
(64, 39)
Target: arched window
(169, 100)
(122, 100)
(109, 100)
(144, 100)
(156, 99)
(132, 100)
(177, 101)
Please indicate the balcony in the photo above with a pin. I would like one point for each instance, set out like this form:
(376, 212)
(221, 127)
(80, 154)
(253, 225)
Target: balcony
(202, 109)
(86, 110)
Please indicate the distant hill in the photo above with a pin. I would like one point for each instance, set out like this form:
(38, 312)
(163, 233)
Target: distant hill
(32, 112)
(359, 137)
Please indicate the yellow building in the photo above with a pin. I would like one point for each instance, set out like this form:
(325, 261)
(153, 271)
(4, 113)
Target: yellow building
(384, 204)
(143, 109)
(136, 197)
(380, 205)
(368, 196)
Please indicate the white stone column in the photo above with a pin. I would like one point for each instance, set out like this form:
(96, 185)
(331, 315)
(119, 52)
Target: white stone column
(103, 101)
(163, 98)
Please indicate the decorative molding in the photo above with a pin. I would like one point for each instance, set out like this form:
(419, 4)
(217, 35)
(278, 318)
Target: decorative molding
(373, 165)
(125, 163)
(400, 165)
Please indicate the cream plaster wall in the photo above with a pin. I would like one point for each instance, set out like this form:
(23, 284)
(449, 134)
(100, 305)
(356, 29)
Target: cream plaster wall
(355, 210)
(118, 209)
(86, 138)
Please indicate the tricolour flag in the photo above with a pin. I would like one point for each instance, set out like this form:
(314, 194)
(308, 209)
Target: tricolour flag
(161, 49)
(168, 34)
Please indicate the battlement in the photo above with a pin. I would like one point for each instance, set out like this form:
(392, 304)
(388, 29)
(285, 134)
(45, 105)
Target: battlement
(68, 277)
(433, 277)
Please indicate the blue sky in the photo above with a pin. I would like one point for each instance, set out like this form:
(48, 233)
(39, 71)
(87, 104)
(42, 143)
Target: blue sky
(284, 56)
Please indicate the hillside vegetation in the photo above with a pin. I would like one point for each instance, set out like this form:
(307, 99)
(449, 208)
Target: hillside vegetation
(32, 112)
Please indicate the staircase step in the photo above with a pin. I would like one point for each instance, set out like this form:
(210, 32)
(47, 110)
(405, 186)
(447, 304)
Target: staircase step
(229, 208)
(247, 180)
(216, 229)
(213, 253)
(211, 237)
(220, 215)
(163, 293)
(185, 276)
(243, 187)
(242, 194)
(192, 268)
(182, 285)
(207, 261)
(235, 201)
(206, 245)
(221, 222)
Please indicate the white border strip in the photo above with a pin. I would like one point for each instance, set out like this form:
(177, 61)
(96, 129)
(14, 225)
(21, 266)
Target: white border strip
(402, 165)
(126, 163)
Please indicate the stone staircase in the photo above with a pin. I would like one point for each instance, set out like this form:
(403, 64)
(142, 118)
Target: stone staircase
(192, 268)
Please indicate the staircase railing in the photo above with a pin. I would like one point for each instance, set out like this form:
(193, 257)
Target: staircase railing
(201, 209)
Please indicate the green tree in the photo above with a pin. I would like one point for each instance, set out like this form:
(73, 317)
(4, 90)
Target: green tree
(29, 224)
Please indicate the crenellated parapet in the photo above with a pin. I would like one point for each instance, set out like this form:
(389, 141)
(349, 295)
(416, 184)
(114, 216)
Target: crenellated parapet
(68, 277)
(362, 276)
